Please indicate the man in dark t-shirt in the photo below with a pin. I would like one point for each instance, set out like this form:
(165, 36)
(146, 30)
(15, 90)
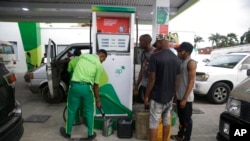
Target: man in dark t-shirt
(164, 70)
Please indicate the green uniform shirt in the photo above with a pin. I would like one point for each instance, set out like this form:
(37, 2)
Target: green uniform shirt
(72, 64)
(88, 69)
(29, 65)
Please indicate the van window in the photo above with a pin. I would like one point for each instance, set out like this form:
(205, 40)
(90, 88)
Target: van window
(83, 51)
(66, 55)
(226, 61)
(9, 50)
(247, 61)
(6, 49)
(60, 48)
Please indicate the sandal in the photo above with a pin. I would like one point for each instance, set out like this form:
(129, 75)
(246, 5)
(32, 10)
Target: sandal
(176, 137)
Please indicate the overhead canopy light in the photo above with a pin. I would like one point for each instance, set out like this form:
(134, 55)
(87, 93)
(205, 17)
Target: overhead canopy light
(25, 9)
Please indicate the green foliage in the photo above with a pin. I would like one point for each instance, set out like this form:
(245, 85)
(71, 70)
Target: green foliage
(219, 41)
(197, 39)
(215, 38)
(232, 39)
(245, 38)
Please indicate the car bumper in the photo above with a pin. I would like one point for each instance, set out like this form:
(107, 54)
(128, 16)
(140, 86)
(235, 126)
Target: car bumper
(13, 129)
(14, 133)
(34, 85)
(26, 77)
(33, 88)
(225, 121)
(202, 87)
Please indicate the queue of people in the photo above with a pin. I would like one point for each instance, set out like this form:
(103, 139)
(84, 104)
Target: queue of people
(167, 78)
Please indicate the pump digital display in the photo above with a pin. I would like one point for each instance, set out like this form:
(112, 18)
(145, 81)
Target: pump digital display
(113, 42)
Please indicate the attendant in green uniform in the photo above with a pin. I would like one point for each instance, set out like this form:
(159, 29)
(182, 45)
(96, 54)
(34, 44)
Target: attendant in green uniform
(28, 62)
(85, 85)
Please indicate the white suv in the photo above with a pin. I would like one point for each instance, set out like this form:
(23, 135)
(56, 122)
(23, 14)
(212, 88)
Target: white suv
(221, 75)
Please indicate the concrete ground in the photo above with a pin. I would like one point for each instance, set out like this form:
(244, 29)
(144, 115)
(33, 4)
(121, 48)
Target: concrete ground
(205, 126)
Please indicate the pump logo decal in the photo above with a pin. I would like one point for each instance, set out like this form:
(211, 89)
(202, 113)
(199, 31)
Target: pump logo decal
(120, 70)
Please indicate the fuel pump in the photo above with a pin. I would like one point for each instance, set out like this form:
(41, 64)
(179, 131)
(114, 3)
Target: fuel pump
(112, 30)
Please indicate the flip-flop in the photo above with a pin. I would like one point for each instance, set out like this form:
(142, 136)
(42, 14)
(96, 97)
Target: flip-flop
(176, 137)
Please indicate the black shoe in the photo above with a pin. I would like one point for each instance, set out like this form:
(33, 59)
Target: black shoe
(63, 133)
(89, 138)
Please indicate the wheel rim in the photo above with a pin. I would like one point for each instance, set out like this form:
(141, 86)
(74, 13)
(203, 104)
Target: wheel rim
(47, 95)
(220, 94)
(57, 98)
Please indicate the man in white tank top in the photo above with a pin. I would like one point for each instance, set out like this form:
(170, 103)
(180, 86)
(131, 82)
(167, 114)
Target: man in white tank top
(184, 93)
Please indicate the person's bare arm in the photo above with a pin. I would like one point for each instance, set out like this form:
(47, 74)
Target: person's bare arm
(136, 87)
(139, 78)
(97, 97)
(150, 85)
(191, 80)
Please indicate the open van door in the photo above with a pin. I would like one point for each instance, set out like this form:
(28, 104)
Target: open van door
(56, 68)
(52, 93)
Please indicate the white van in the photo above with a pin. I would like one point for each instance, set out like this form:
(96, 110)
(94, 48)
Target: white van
(7, 54)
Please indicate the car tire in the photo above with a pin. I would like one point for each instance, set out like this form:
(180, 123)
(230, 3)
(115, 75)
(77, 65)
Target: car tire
(46, 95)
(219, 93)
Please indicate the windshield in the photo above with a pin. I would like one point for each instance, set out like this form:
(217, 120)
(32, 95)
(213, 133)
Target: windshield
(226, 61)
(60, 54)
(6, 49)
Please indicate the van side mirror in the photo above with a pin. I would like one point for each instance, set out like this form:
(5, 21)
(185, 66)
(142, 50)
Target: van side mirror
(248, 72)
(245, 67)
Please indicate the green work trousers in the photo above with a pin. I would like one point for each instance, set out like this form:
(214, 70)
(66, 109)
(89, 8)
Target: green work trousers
(79, 112)
(80, 117)
(78, 92)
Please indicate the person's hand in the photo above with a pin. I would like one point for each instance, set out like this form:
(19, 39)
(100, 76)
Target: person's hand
(183, 103)
(98, 104)
(146, 103)
(135, 91)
